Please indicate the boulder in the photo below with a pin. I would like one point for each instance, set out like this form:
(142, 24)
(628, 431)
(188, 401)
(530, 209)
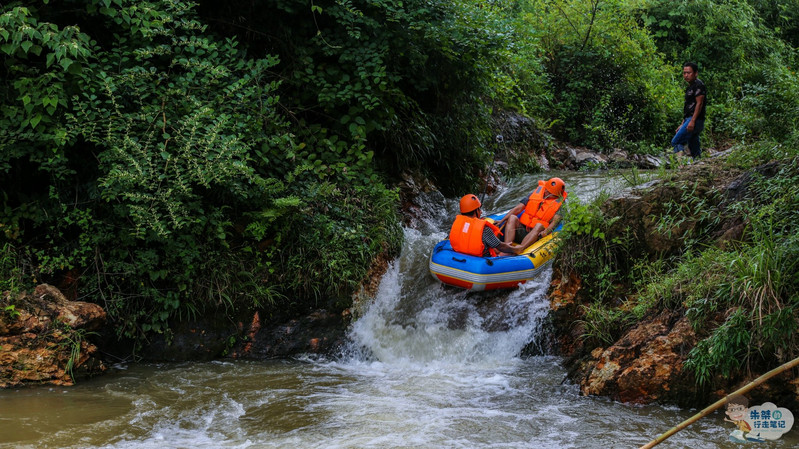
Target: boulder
(646, 364)
(584, 158)
(44, 338)
(256, 336)
(620, 159)
(646, 161)
(320, 332)
(575, 158)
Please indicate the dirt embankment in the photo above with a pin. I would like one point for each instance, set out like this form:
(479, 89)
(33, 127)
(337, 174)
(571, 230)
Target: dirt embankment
(647, 362)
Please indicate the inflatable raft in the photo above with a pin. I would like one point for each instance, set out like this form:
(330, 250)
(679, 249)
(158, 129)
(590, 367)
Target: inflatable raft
(489, 273)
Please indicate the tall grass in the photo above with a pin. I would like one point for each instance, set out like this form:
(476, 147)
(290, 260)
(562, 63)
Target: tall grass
(742, 299)
(12, 278)
(756, 297)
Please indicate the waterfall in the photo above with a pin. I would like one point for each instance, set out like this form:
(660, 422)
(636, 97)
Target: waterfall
(415, 319)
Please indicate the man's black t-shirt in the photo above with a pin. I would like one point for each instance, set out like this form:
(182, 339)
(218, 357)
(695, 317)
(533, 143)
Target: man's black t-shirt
(694, 90)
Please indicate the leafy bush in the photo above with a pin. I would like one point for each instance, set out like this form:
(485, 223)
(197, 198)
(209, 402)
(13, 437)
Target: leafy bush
(603, 325)
(609, 85)
(411, 82)
(724, 352)
(752, 89)
(169, 172)
(12, 273)
(586, 249)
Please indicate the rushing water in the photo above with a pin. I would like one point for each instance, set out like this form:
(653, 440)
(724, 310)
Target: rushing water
(429, 367)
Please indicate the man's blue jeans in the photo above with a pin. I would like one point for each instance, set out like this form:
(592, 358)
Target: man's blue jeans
(684, 137)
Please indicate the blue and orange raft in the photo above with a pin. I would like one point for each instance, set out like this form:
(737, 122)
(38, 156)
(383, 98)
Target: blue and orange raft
(490, 273)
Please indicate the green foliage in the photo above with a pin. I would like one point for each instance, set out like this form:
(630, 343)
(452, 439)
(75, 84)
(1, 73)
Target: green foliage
(71, 340)
(410, 83)
(749, 71)
(181, 158)
(603, 325)
(12, 272)
(759, 289)
(669, 285)
(609, 85)
(355, 225)
(723, 353)
(741, 300)
(691, 216)
(781, 16)
(587, 250)
(172, 183)
(634, 177)
(586, 219)
(11, 311)
(43, 64)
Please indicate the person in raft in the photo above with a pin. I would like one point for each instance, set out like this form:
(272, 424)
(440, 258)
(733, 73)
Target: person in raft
(539, 214)
(475, 236)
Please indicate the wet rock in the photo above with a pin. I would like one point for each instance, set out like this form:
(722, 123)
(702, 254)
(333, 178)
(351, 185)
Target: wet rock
(731, 233)
(646, 161)
(645, 213)
(740, 187)
(518, 133)
(82, 315)
(563, 157)
(576, 158)
(413, 189)
(658, 216)
(620, 159)
(367, 290)
(321, 332)
(204, 338)
(645, 365)
(256, 336)
(44, 338)
(564, 310)
(585, 158)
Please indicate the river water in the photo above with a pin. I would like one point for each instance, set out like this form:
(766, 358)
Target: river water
(429, 367)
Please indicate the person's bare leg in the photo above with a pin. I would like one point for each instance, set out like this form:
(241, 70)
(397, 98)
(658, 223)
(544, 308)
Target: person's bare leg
(510, 228)
(532, 236)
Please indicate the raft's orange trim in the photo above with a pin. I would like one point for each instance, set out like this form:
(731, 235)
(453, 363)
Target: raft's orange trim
(470, 286)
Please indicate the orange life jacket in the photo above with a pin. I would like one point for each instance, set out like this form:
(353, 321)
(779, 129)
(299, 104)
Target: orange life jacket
(538, 209)
(466, 236)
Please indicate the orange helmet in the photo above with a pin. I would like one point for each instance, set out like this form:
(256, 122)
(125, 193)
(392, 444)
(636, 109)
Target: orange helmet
(555, 186)
(469, 203)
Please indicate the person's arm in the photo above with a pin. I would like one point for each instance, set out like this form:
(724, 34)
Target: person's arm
(552, 225)
(515, 211)
(491, 241)
(700, 102)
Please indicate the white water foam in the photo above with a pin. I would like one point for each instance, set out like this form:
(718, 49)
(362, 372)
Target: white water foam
(416, 320)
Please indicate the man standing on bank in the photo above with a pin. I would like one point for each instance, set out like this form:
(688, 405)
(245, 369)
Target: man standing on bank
(693, 112)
